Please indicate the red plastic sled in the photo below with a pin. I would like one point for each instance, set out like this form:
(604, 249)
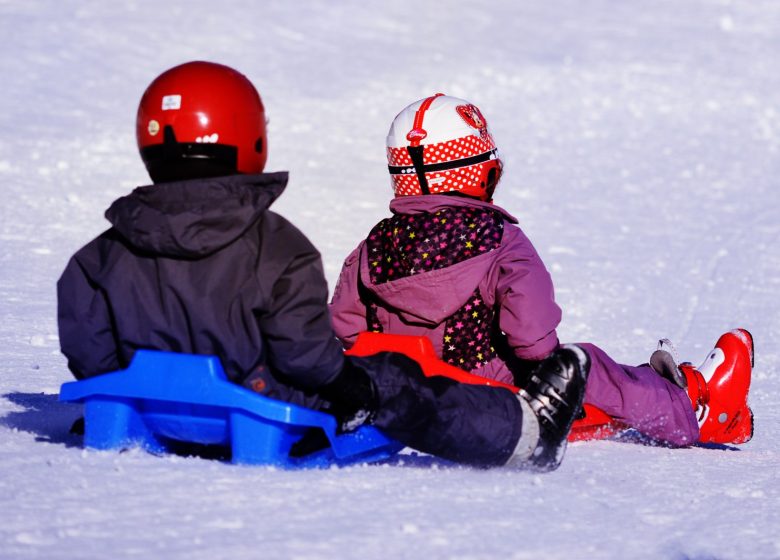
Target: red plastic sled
(596, 424)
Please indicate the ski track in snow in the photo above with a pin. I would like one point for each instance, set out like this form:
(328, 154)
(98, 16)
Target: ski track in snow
(642, 150)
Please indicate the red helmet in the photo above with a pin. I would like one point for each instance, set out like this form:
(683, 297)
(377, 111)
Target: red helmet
(442, 144)
(201, 119)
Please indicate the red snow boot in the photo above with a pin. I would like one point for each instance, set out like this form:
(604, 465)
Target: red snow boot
(718, 390)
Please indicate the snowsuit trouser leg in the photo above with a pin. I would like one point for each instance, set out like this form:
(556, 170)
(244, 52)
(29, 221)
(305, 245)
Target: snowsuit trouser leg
(640, 398)
(471, 424)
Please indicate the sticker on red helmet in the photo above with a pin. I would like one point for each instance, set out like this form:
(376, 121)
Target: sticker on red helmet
(171, 102)
(207, 139)
(472, 116)
(153, 128)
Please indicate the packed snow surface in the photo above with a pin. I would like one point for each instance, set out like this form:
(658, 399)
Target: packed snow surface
(642, 151)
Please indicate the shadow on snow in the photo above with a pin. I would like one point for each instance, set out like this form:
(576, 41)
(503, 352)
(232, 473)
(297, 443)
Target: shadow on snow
(45, 416)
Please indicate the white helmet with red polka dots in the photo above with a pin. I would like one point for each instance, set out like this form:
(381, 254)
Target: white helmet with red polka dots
(441, 144)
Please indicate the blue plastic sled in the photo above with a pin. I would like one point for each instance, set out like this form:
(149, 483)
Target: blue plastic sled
(164, 398)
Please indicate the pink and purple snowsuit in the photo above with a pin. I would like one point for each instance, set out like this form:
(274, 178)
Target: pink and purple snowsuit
(460, 272)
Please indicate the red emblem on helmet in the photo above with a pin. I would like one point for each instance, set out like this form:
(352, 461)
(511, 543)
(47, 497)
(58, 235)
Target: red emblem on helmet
(471, 116)
(416, 134)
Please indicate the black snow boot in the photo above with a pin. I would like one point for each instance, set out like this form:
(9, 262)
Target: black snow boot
(555, 393)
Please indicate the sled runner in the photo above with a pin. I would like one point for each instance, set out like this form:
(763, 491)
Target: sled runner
(593, 424)
(165, 398)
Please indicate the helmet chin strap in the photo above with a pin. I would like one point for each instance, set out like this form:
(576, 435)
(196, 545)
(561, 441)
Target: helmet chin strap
(415, 136)
(171, 147)
(416, 153)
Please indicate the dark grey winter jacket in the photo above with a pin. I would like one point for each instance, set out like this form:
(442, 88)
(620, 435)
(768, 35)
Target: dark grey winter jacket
(202, 267)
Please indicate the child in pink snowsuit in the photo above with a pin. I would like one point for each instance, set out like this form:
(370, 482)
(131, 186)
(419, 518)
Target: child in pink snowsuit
(450, 265)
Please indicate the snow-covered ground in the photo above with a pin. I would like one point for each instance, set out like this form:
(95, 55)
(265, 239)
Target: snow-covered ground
(642, 150)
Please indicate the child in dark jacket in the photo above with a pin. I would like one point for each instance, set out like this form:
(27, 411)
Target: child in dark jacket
(450, 265)
(197, 263)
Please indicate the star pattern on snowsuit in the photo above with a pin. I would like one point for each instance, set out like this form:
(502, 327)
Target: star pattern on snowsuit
(408, 244)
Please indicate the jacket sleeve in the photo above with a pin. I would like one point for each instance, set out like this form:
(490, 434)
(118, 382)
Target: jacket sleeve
(84, 321)
(525, 295)
(295, 323)
(348, 311)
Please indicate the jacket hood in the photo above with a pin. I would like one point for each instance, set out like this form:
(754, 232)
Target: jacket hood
(453, 285)
(411, 296)
(191, 219)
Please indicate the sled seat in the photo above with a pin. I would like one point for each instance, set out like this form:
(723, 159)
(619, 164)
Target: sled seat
(166, 398)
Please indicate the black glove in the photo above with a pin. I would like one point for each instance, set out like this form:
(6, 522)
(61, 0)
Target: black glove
(353, 397)
(521, 370)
